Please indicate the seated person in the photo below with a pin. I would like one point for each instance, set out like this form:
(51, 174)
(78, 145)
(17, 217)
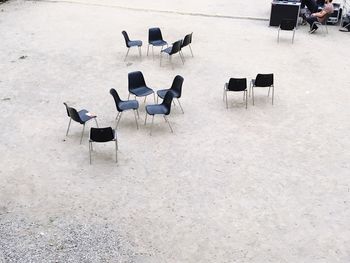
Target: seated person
(320, 16)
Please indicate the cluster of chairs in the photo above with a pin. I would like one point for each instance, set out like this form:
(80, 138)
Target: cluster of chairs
(155, 39)
(240, 85)
(138, 88)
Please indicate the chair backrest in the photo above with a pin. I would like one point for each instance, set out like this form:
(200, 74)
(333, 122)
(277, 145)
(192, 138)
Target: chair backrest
(177, 85)
(154, 34)
(116, 98)
(187, 40)
(237, 84)
(287, 24)
(136, 80)
(71, 112)
(126, 38)
(264, 80)
(168, 99)
(65, 104)
(176, 47)
(101, 134)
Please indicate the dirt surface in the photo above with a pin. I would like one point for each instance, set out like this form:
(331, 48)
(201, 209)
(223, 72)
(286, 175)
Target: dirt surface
(266, 184)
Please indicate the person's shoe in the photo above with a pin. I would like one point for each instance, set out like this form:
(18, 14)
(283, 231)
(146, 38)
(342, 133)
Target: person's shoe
(344, 29)
(313, 30)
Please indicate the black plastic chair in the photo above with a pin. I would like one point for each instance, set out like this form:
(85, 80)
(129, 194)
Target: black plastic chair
(237, 85)
(286, 25)
(81, 116)
(175, 48)
(187, 42)
(122, 105)
(262, 80)
(103, 135)
(155, 38)
(160, 109)
(131, 43)
(176, 89)
(138, 87)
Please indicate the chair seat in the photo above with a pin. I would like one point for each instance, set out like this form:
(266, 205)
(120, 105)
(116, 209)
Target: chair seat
(156, 109)
(141, 91)
(158, 43)
(129, 105)
(161, 93)
(102, 135)
(167, 50)
(133, 43)
(83, 116)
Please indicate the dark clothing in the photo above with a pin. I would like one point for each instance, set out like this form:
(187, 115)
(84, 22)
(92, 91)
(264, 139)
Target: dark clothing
(310, 4)
(311, 20)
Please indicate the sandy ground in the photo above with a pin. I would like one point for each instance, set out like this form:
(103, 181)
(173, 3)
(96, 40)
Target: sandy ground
(266, 184)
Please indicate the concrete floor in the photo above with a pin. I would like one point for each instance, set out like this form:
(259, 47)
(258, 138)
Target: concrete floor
(266, 184)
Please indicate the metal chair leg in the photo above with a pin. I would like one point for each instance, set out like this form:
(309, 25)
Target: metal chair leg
(268, 93)
(154, 97)
(223, 95)
(127, 54)
(278, 35)
(226, 99)
(166, 119)
(82, 134)
(180, 105)
(116, 118)
(116, 151)
(96, 122)
(70, 120)
(137, 125)
(160, 59)
(129, 96)
(140, 51)
(90, 144)
(152, 52)
(183, 62)
(145, 119)
(253, 94)
(293, 36)
(191, 50)
(273, 93)
(246, 99)
(147, 49)
(138, 115)
(120, 116)
(151, 125)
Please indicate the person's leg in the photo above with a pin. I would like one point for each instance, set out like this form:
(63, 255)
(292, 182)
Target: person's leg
(311, 20)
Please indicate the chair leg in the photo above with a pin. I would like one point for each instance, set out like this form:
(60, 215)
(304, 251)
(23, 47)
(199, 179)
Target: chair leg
(183, 62)
(191, 50)
(144, 101)
(160, 59)
(226, 99)
(82, 134)
(129, 96)
(166, 119)
(147, 49)
(180, 105)
(116, 151)
(120, 116)
(253, 94)
(246, 99)
(250, 87)
(273, 93)
(154, 97)
(223, 95)
(278, 35)
(137, 125)
(96, 122)
(140, 51)
(145, 119)
(90, 146)
(182, 55)
(70, 120)
(138, 115)
(127, 54)
(151, 125)
(116, 118)
(268, 93)
(152, 52)
(293, 36)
